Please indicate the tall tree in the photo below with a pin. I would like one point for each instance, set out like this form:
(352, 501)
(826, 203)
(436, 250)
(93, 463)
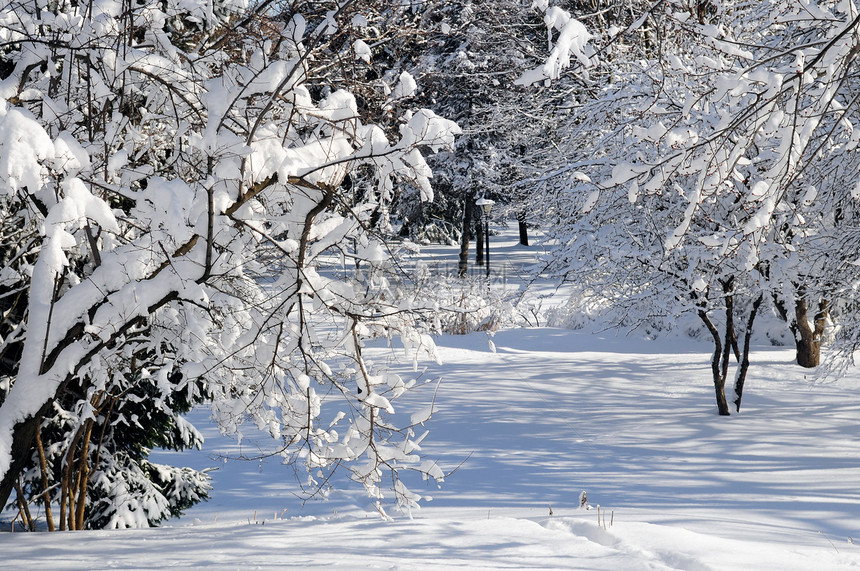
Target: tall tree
(172, 175)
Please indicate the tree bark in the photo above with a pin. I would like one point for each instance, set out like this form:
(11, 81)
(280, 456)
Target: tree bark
(23, 508)
(524, 231)
(466, 236)
(808, 338)
(719, 379)
(745, 359)
(83, 476)
(43, 469)
(479, 241)
(730, 339)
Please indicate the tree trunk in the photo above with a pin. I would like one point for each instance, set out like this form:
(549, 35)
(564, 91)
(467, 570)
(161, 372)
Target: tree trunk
(730, 338)
(43, 470)
(466, 236)
(719, 379)
(23, 508)
(83, 476)
(745, 359)
(23, 438)
(479, 241)
(808, 353)
(524, 231)
(808, 339)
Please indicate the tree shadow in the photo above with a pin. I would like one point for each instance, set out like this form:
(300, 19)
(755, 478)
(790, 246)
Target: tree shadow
(544, 418)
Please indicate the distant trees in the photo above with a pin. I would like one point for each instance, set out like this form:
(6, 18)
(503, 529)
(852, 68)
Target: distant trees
(469, 76)
(466, 63)
(178, 181)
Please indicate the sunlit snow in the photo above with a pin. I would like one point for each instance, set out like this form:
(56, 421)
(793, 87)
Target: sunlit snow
(519, 433)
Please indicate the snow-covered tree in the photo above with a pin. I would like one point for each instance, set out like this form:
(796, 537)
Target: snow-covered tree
(718, 169)
(172, 188)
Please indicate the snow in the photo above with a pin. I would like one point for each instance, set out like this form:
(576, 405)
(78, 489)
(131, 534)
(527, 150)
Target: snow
(23, 142)
(339, 106)
(406, 87)
(362, 51)
(572, 39)
(518, 434)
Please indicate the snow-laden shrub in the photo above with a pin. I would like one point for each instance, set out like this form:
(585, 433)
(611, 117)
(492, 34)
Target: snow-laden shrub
(461, 305)
(138, 493)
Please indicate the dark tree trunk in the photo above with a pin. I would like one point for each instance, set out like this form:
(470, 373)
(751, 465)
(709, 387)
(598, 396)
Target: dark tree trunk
(466, 236)
(808, 352)
(731, 336)
(524, 231)
(745, 359)
(719, 378)
(479, 241)
(730, 339)
(808, 339)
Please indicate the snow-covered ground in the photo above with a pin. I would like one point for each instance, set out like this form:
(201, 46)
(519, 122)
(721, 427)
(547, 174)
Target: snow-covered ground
(524, 430)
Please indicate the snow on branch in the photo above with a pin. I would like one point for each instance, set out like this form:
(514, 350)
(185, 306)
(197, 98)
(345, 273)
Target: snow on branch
(185, 209)
(571, 41)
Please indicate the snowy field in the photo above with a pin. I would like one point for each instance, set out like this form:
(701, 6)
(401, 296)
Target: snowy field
(524, 430)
